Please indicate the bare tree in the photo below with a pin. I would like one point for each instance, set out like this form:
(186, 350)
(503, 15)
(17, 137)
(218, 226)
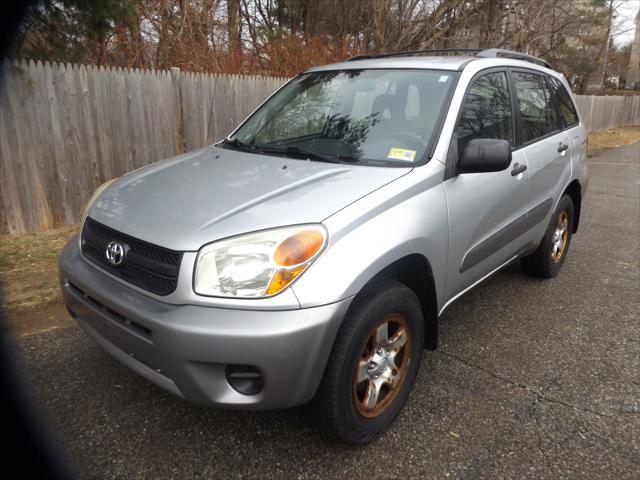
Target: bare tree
(284, 36)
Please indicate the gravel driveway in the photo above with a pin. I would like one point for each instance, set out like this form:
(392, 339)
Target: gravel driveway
(537, 379)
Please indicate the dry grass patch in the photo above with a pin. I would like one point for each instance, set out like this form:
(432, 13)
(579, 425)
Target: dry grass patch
(605, 139)
(29, 275)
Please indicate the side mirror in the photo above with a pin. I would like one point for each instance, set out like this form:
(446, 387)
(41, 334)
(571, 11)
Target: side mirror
(485, 155)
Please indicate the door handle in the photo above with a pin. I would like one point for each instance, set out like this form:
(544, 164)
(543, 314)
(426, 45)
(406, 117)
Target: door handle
(562, 147)
(518, 169)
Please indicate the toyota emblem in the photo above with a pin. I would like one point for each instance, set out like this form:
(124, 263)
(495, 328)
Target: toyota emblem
(115, 253)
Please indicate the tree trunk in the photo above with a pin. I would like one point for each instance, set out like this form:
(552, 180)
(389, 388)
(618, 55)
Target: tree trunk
(234, 29)
(606, 47)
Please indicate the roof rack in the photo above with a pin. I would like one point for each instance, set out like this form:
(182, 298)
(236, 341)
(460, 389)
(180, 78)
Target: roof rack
(413, 52)
(500, 52)
(478, 52)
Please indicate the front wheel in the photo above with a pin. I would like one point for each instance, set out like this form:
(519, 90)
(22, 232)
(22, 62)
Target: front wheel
(373, 363)
(547, 260)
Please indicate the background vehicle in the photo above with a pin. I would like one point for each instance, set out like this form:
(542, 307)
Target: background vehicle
(310, 254)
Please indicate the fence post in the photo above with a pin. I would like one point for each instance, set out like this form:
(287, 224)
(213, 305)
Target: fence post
(177, 110)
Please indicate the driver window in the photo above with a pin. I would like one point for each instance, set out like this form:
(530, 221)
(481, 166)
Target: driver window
(486, 112)
(305, 114)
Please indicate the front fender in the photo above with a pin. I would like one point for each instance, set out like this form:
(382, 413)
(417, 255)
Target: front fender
(405, 217)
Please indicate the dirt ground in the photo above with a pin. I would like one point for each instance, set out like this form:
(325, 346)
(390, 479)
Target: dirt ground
(605, 139)
(29, 263)
(29, 275)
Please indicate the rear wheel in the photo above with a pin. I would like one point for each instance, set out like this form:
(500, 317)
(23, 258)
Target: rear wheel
(373, 363)
(547, 260)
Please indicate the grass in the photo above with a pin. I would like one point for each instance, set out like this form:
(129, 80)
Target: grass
(29, 275)
(29, 262)
(606, 139)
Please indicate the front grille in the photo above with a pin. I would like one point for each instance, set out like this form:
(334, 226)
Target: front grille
(145, 265)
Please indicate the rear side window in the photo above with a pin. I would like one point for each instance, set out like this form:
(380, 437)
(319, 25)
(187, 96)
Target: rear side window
(486, 112)
(537, 114)
(568, 114)
(554, 116)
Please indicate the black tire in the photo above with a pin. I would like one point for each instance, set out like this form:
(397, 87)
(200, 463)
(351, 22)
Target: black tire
(545, 262)
(338, 402)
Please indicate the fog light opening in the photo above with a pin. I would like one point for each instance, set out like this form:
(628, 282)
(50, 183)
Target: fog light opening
(245, 379)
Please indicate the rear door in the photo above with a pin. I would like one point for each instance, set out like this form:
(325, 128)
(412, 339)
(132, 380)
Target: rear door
(547, 147)
(487, 211)
(570, 121)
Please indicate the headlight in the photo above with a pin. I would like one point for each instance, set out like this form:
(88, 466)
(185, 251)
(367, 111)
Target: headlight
(95, 195)
(258, 264)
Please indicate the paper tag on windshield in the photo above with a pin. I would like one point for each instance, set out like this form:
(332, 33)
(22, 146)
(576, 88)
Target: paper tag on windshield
(402, 154)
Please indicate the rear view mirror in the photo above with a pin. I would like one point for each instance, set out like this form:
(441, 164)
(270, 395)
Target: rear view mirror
(485, 155)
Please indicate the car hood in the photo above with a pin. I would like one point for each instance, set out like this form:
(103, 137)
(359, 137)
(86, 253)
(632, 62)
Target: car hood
(187, 201)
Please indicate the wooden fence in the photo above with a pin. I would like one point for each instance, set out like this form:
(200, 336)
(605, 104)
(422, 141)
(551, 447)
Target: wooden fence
(603, 112)
(65, 129)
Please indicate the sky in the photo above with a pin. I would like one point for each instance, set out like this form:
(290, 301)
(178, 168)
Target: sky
(627, 12)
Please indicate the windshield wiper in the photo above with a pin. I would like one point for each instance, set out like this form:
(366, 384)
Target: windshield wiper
(290, 150)
(300, 152)
(238, 145)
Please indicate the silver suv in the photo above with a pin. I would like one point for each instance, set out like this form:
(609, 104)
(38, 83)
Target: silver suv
(310, 253)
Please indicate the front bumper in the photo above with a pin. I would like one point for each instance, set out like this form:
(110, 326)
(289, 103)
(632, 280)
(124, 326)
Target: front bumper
(185, 349)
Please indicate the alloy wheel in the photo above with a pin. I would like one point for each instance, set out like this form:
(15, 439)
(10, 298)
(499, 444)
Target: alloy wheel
(560, 237)
(382, 366)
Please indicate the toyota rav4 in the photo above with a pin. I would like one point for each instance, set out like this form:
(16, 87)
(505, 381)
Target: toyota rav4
(309, 254)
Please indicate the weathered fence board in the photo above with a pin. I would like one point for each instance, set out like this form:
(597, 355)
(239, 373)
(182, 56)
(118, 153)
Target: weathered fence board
(65, 129)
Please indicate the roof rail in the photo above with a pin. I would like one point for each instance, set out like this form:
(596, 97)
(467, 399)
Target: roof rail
(359, 57)
(500, 52)
(413, 52)
(478, 52)
(432, 50)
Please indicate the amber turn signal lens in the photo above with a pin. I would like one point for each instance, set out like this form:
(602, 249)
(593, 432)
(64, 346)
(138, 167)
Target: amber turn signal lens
(282, 278)
(298, 248)
(293, 255)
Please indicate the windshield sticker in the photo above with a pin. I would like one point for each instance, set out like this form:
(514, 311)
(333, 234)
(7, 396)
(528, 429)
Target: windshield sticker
(443, 78)
(402, 154)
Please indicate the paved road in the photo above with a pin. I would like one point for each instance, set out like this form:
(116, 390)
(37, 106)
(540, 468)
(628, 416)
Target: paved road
(537, 379)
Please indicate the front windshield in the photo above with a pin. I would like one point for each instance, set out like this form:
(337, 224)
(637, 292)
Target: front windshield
(364, 116)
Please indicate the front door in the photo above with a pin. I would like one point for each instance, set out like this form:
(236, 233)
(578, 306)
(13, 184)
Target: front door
(487, 211)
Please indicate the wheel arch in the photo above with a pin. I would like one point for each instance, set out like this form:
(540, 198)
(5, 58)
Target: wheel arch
(574, 191)
(415, 271)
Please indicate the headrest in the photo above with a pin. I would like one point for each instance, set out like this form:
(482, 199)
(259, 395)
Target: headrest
(388, 105)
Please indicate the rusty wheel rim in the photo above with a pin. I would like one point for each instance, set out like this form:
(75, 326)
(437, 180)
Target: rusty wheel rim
(382, 366)
(560, 237)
